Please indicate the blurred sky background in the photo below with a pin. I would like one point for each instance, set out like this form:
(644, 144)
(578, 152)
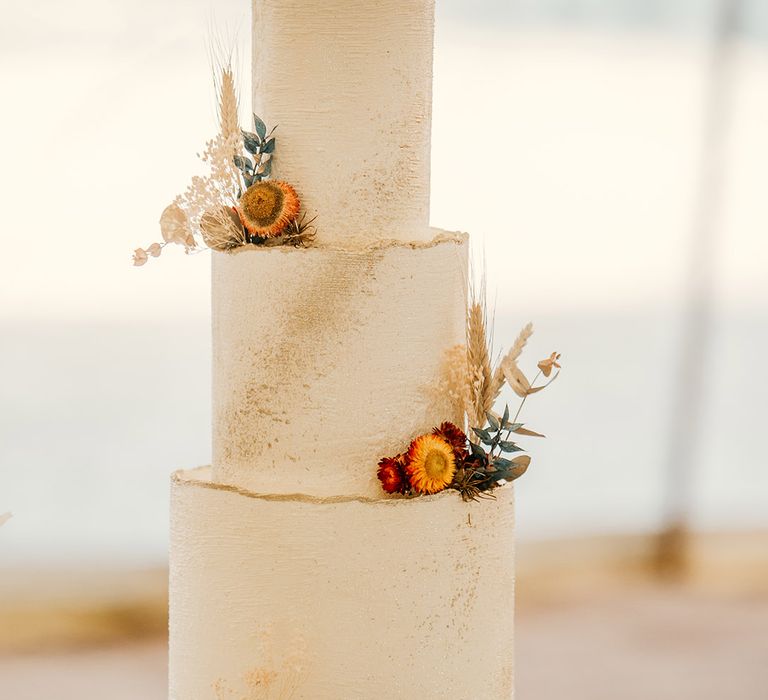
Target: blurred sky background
(567, 139)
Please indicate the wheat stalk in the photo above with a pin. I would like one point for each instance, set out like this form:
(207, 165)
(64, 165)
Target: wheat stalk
(478, 365)
(514, 352)
(228, 107)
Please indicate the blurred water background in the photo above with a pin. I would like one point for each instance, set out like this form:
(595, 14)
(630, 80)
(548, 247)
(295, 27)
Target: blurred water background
(567, 141)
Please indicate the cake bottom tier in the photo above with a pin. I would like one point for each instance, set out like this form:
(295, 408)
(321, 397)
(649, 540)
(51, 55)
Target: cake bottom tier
(339, 598)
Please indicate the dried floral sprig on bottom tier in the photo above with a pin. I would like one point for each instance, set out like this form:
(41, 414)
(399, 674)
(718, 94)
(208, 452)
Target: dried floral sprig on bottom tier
(236, 203)
(447, 459)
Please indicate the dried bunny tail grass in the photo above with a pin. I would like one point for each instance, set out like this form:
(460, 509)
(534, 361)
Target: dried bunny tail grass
(478, 364)
(511, 357)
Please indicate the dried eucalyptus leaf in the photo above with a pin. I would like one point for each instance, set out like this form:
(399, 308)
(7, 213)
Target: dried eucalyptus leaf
(492, 421)
(259, 126)
(477, 451)
(269, 146)
(251, 142)
(244, 163)
(521, 466)
(482, 434)
(529, 433)
(508, 446)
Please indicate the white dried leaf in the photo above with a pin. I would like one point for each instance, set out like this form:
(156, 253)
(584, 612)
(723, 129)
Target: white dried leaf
(174, 226)
(515, 378)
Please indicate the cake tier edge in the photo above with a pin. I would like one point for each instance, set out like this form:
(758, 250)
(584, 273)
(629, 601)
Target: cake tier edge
(328, 358)
(338, 598)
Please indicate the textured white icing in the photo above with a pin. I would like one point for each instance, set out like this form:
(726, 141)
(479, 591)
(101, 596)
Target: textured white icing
(344, 598)
(349, 85)
(327, 359)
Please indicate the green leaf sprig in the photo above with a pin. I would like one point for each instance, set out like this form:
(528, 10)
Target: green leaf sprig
(261, 145)
(496, 437)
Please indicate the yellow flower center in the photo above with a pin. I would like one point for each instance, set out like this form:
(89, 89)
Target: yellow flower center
(435, 464)
(263, 203)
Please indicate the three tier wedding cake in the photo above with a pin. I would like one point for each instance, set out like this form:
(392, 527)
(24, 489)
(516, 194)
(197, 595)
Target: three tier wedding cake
(304, 562)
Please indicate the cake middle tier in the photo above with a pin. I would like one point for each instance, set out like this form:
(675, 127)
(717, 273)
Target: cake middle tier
(326, 359)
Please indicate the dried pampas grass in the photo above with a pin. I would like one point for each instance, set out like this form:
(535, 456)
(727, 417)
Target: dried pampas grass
(453, 386)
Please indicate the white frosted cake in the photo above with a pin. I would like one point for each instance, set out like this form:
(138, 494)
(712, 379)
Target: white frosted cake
(292, 572)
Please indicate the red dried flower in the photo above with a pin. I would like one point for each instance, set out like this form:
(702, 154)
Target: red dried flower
(392, 475)
(455, 437)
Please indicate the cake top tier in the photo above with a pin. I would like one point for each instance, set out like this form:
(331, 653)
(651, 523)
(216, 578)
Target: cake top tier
(349, 84)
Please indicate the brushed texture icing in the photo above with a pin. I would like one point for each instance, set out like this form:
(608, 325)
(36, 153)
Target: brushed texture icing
(340, 598)
(326, 359)
(349, 85)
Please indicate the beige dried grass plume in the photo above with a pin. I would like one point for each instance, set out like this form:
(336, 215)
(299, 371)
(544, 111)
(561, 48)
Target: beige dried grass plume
(452, 389)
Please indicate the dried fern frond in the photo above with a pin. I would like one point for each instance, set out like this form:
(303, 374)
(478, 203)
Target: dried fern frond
(510, 358)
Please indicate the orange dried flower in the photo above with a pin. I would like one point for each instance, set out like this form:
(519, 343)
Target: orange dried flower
(266, 208)
(392, 475)
(430, 464)
(455, 437)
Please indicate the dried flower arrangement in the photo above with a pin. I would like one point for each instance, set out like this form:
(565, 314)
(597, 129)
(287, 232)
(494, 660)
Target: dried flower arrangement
(474, 465)
(236, 203)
